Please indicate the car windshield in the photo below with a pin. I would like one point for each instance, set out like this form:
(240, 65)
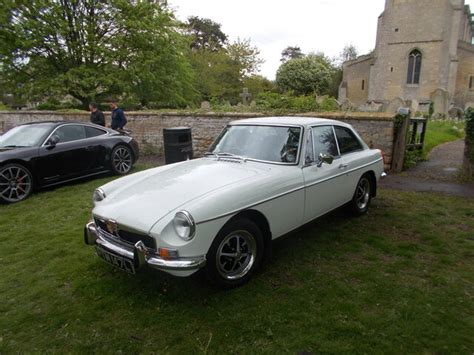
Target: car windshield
(267, 143)
(25, 136)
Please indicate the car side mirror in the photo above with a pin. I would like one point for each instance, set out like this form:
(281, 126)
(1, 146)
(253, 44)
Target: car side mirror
(324, 158)
(53, 140)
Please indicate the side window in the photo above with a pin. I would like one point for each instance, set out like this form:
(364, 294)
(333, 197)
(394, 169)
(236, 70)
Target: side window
(347, 141)
(70, 133)
(93, 132)
(324, 141)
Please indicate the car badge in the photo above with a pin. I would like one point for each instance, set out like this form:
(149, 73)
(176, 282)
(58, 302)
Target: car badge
(112, 226)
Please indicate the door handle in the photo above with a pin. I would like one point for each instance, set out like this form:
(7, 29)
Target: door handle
(343, 166)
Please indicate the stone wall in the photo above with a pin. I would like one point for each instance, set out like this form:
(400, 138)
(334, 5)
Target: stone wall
(377, 129)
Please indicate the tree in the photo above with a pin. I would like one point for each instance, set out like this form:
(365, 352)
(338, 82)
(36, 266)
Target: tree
(349, 52)
(217, 75)
(311, 74)
(257, 84)
(92, 50)
(205, 33)
(246, 55)
(291, 53)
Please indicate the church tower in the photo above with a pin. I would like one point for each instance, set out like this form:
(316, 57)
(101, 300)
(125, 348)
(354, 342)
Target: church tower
(423, 55)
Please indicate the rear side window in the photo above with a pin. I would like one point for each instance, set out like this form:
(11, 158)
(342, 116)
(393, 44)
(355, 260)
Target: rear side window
(70, 133)
(324, 141)
(93, 132)
(347, 140)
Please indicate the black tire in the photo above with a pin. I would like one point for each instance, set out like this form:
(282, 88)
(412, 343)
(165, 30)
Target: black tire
(239, 264)
(121, 160)
(362, 196)
(16, 183)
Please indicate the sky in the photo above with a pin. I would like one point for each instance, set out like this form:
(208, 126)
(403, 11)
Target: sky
(272, 25)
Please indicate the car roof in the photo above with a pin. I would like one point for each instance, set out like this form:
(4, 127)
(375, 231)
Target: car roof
(59, 123)
(287, 120)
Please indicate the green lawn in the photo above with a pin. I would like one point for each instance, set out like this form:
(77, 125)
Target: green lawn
(439, 132)
(399, 279)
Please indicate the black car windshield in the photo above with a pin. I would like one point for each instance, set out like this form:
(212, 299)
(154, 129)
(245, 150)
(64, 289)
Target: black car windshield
(267, 143)
(25, 136)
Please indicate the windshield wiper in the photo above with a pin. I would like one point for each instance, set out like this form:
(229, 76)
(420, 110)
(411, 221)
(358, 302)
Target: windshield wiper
(14, 146)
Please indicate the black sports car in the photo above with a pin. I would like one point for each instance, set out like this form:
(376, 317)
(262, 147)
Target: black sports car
(41, 154)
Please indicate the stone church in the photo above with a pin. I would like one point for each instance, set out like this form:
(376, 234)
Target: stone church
(424, 54)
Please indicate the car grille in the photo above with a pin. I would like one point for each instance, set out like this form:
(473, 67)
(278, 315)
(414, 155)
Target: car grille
(127, 236)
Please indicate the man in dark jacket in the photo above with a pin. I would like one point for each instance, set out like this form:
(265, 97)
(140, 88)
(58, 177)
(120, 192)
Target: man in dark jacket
(97, 117)
(118, 117)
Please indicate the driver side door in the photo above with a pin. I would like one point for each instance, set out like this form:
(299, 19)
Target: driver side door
(323, 192)
(67, 159)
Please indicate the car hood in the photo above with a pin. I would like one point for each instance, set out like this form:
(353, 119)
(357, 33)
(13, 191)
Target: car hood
(142, 200)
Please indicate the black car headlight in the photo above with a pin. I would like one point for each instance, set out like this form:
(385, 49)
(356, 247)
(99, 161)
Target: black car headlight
(184, 225)
(98, 195)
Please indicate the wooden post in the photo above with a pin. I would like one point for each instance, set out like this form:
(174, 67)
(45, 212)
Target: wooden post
(399, 146)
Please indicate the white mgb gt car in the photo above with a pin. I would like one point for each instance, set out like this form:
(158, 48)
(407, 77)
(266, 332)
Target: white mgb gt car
(261, 179)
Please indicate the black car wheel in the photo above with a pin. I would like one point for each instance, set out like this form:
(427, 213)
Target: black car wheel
(121, 160)
(235, 254)
(361, 200)
(16, 183)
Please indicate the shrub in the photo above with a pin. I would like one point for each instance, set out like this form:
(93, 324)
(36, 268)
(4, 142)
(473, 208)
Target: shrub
(269, 101)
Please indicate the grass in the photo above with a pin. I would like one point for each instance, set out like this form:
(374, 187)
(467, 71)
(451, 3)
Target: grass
(399, 279)
(439, 132)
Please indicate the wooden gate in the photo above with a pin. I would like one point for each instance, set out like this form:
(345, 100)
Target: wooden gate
(416, 133)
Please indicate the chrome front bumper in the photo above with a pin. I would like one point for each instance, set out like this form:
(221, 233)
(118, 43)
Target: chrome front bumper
(139, 253)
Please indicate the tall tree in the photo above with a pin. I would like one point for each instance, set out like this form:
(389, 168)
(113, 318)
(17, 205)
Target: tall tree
(246, 55)
(291, 53)
(311, 74)
(92, 49)
(206, 34)
(349, 52)
(217, 75)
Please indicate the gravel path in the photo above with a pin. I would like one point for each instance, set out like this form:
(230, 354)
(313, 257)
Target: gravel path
(438, 174)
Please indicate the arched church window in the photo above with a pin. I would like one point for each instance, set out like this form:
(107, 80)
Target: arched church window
(414, 67)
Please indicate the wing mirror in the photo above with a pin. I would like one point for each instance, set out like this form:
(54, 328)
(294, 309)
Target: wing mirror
(324, 158)
(53, 140)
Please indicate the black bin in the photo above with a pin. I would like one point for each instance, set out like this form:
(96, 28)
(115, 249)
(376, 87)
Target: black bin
(178, 144)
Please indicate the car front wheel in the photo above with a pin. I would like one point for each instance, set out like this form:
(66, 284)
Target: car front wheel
(16, 183)
(235, 254)
(362, 196)
(121, 160)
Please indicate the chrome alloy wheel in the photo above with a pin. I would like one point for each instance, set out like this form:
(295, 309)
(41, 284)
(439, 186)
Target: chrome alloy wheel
(15, 183)
(236, 255)
(362, 194)
(122, 160)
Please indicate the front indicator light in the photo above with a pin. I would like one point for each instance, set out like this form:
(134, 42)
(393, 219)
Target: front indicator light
(167, 253)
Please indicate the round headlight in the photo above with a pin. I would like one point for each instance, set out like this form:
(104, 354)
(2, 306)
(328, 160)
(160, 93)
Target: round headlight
(184, 225)
(98, 195)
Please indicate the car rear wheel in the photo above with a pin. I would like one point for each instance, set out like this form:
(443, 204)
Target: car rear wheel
(362, 196)
(16, 183)
(235, 254)
(121, 160)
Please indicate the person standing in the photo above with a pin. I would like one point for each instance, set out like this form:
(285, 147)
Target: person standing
(118, 116)
(97, 117)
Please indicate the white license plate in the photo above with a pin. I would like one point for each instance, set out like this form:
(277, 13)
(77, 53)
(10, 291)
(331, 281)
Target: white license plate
(116, 260)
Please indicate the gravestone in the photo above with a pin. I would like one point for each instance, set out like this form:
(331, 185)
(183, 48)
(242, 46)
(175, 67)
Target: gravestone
(395, 104)
(440, 99)
(205, 105)
(371, 106)
(246, 96)
(414, 105)
(456, 113)
(347, 105)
